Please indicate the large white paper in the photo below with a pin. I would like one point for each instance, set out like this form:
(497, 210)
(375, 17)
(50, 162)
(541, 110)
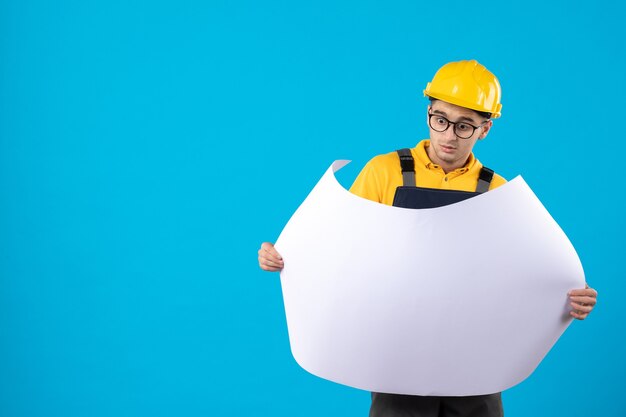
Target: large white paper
(459, 300)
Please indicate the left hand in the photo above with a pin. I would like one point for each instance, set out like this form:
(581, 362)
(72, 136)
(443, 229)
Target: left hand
(582, 302)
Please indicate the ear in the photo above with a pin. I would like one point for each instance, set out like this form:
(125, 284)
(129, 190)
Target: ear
(428, 109)
(486, 127)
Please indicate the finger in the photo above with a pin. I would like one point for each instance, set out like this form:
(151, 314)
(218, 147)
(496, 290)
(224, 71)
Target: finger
(578, 315)
(267, 250)
(271, 258)
(270, 265)
(581, 307)
(584, 300)
(274, 256)
(588, 292)
(267, 247)
(270, 262)
(270, 268)
(274, 253)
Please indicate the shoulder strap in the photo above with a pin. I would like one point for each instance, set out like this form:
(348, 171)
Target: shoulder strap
(484, 180)
(408, 167)
(408, 172)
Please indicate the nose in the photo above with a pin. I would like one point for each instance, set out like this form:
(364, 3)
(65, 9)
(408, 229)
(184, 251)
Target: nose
(449, 133)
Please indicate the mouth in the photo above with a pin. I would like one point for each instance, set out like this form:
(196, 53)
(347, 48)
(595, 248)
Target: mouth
(447, 148)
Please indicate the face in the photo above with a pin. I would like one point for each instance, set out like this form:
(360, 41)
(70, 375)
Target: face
(446, 149)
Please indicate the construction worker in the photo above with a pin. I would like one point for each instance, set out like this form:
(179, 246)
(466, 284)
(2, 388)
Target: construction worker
(464, 99)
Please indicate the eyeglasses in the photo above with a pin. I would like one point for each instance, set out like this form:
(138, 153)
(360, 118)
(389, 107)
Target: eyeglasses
(463, 130)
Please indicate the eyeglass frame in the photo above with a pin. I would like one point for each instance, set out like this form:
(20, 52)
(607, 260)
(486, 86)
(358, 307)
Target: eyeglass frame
(430, 115)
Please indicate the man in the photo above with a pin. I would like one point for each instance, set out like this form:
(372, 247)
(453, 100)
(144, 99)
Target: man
(464, 98)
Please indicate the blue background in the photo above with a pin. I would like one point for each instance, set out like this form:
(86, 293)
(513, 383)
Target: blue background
(148, 148)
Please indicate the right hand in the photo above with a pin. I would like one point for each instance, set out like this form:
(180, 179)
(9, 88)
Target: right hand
(269, 259)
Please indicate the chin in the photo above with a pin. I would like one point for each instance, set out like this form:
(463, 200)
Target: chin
(448, 158)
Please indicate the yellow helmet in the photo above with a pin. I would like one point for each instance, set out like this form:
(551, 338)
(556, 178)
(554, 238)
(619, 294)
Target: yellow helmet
(467, 84)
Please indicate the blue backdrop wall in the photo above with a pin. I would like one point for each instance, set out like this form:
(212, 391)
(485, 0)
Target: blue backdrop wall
(148, 147)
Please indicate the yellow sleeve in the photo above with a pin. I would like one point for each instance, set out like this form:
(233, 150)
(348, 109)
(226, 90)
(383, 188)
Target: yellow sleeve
(367, 183)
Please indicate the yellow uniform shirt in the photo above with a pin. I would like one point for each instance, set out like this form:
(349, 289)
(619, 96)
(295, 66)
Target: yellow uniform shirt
(382, 175)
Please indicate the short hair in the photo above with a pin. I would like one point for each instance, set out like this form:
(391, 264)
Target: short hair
(480, 113)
